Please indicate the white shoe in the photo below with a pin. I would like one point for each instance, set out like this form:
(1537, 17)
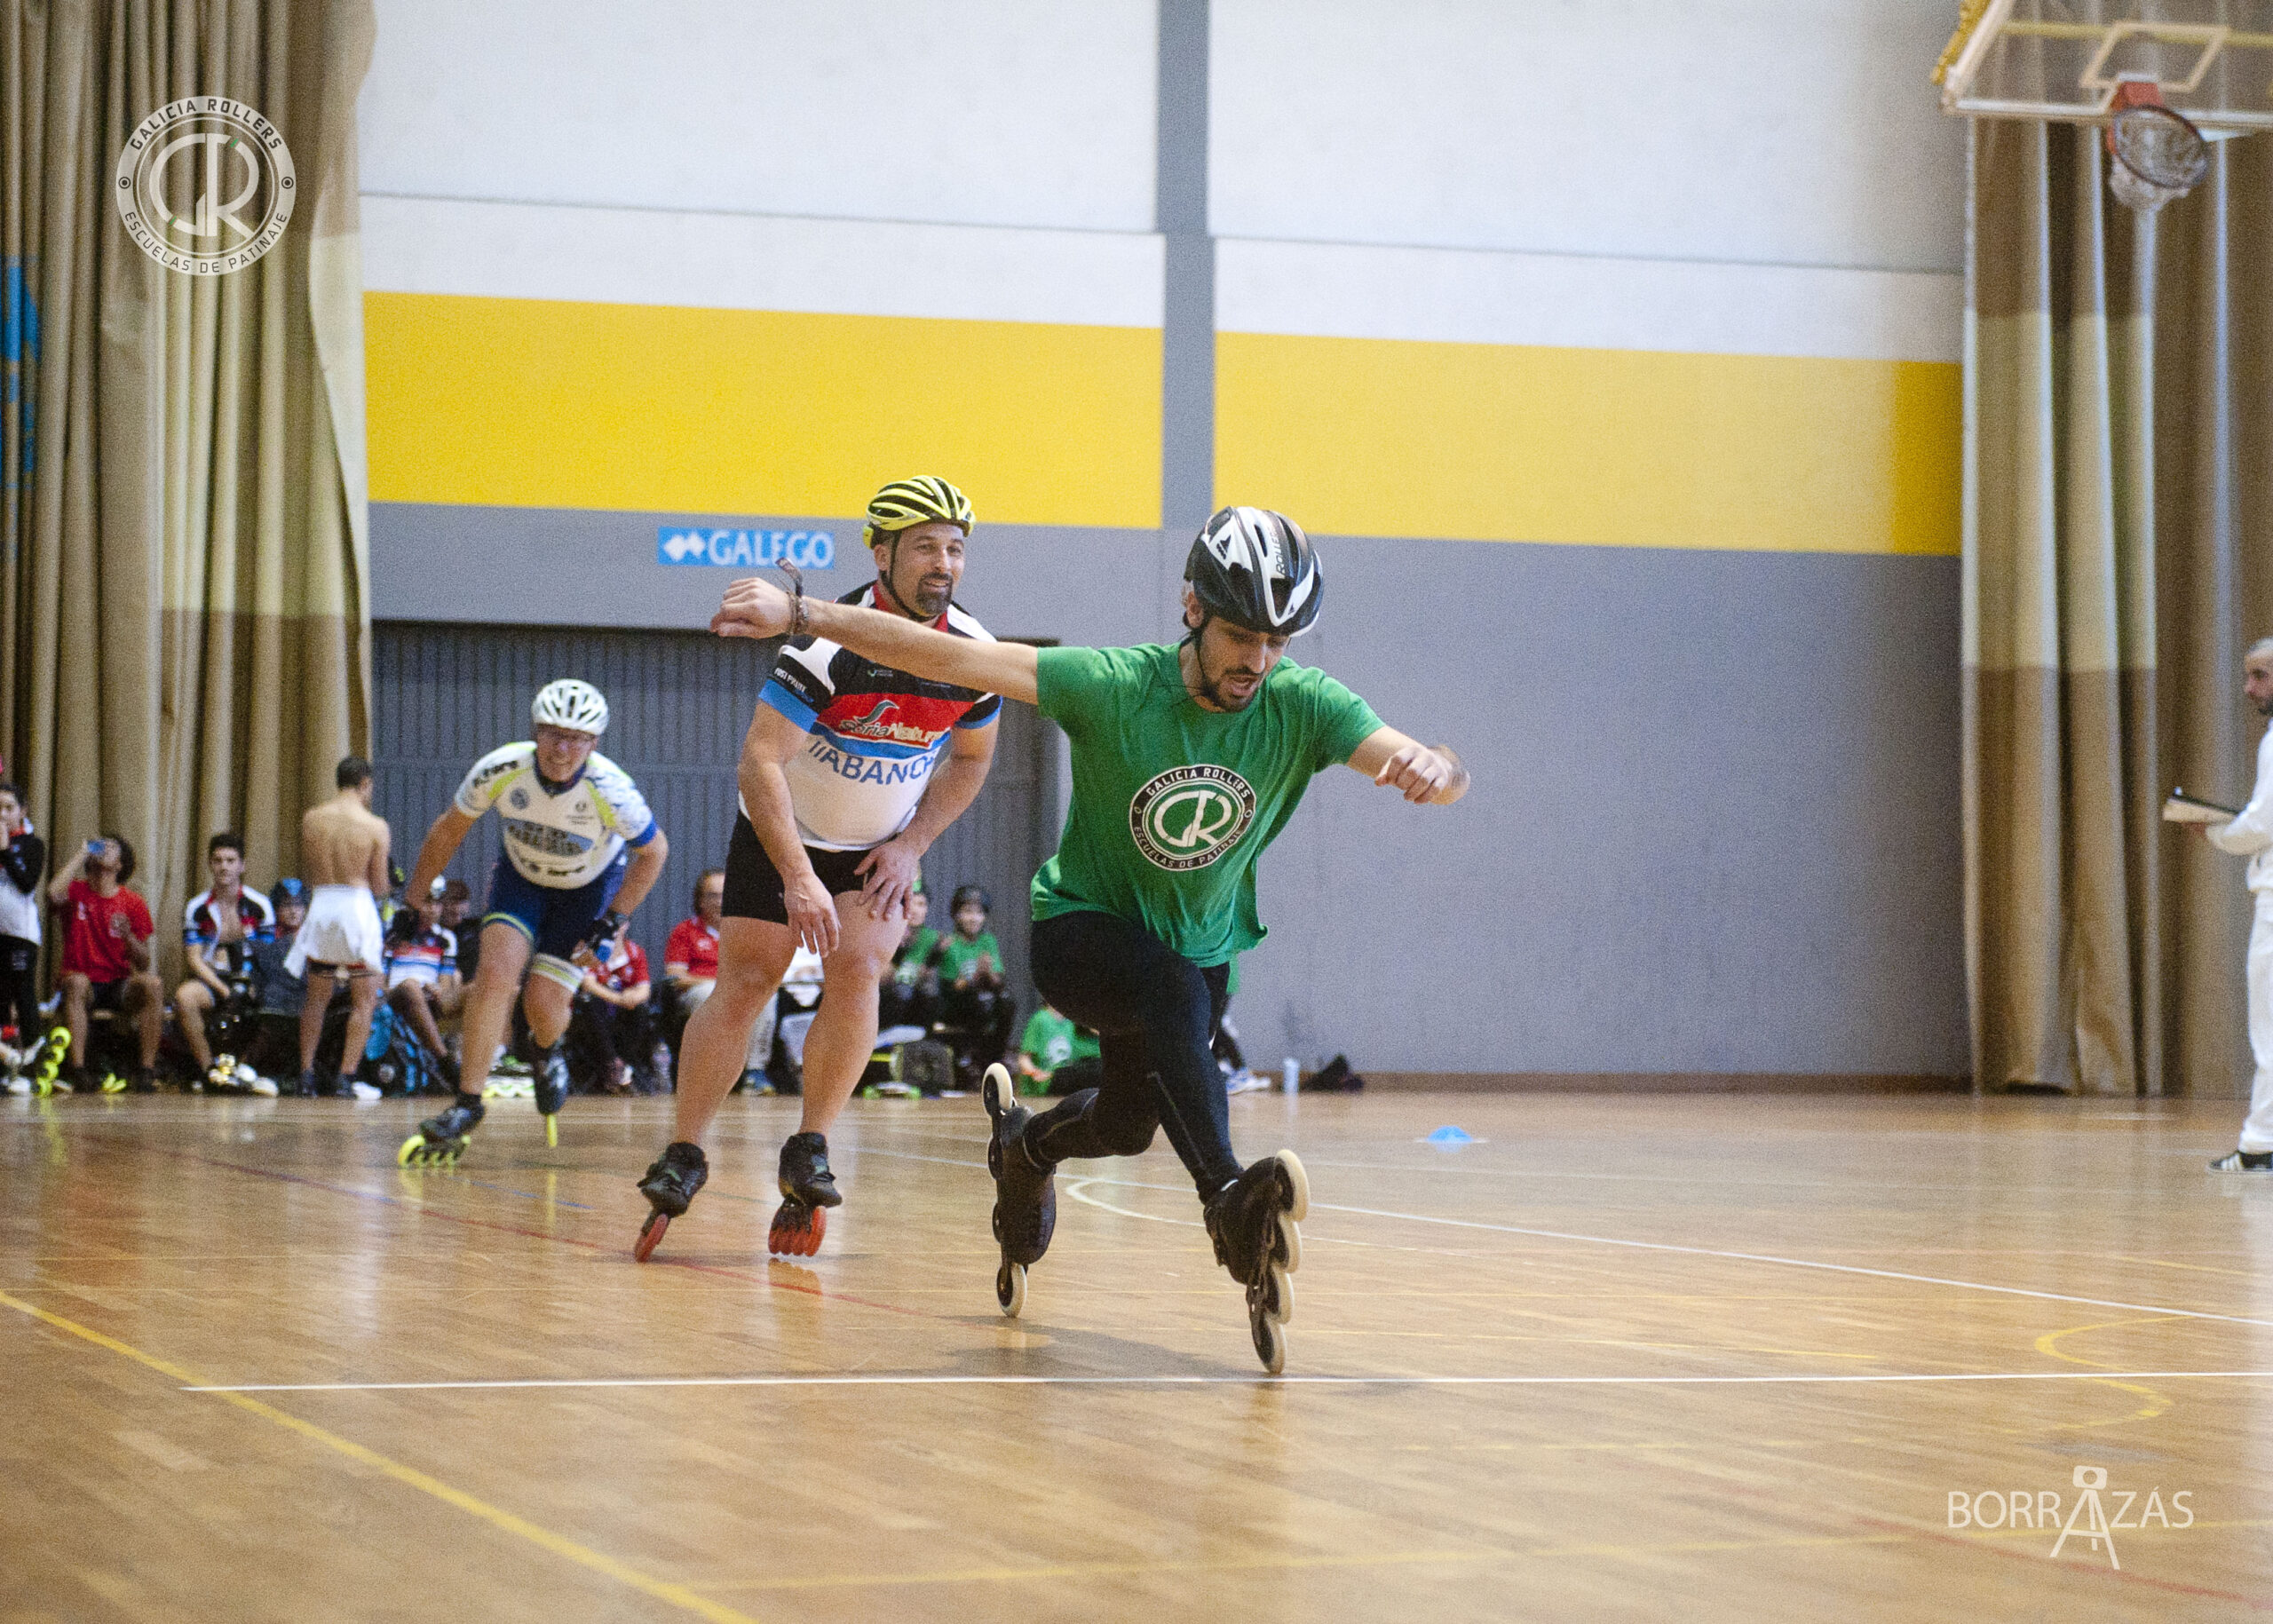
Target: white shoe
(1245, 1082)
(363, 1091)
(265, 1086)
(19, 1086)
(2243, 1162)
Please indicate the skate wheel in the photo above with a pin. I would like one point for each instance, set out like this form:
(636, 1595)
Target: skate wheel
(1270, 1342)
(1288, 1252)
(1294, 1186)
(1010, 1287)
(650, 1233)
(798, 1230)
(998, 1092)
(552, 1131)
(1278, 1295)
(408, 1156)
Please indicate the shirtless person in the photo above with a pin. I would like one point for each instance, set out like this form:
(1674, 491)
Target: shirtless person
(343, 854)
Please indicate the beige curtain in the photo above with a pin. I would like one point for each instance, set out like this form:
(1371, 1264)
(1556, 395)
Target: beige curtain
(184, 596)
(2119, 554)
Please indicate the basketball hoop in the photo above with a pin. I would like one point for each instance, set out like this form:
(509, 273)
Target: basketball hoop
(2155, 153)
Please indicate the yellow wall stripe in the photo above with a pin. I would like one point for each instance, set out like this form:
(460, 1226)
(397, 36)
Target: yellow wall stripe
(1499, 442)
(543, 403)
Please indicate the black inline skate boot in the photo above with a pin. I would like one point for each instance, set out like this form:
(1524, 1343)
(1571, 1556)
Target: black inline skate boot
(441, 1140)
(1026, 1190)
(1253, 1222)
(551, 1086)
(808, 1191)
(672, 1179)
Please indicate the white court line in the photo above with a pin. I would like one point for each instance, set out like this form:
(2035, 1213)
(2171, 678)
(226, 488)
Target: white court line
(1785, 1381)
(1661, 1246)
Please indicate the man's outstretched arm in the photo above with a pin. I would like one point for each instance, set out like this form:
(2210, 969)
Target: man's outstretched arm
(1425, 774)
(754, 608)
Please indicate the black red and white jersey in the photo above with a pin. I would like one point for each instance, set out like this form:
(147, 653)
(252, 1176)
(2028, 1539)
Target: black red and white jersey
(876, 733)
(201, 921)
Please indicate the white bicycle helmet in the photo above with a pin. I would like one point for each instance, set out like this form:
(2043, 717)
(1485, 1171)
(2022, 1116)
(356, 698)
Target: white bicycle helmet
(572, 704)
(1256, 569)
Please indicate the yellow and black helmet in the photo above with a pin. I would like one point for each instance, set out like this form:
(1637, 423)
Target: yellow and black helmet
(925, 500)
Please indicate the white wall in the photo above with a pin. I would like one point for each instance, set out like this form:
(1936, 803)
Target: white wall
(1799, 133)
(1034, 112)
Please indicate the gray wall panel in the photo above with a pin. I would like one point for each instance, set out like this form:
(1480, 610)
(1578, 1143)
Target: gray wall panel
(1714, 829)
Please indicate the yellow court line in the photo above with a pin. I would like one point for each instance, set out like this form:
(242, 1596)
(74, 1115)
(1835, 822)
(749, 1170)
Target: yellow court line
(678, 1595)
(2156, 1401)
(1118, 1570)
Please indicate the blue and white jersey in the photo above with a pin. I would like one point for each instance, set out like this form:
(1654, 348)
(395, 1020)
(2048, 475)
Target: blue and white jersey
(876, 733)
(557, 837)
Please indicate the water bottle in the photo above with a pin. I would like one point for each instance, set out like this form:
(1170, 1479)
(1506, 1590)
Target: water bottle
(1290, 1074)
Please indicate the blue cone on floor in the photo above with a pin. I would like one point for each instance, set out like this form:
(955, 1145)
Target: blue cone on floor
(1450, 1135)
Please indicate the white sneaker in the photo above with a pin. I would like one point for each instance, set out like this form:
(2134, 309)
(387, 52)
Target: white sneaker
(363, 1091)
(265, 1086)
(1244, 1082)
(2244, 1161)
(19, 1086)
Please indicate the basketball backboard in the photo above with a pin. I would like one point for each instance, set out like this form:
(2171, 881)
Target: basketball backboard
(2211, 60)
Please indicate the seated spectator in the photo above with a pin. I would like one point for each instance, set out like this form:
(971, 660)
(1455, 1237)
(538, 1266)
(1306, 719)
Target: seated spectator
(612, 1026)
(107, 931)
(423, 983)
(690, 964)
(23, 860)
(910, 995)
(274, 1049)
(976, 1008)
(1057, 1056)
(217, 926)
(458, 907)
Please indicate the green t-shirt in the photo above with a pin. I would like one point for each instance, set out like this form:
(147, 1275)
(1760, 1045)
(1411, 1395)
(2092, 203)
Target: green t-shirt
(957, 955)
(909, 964)
(1052, 1041)
(1172, 804)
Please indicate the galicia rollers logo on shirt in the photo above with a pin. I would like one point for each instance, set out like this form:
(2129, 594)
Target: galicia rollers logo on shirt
(1188, 816)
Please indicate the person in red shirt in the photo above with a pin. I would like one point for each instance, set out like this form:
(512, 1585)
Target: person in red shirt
(107, 931)
(691, 955)
(690, 964)
(611, 1027)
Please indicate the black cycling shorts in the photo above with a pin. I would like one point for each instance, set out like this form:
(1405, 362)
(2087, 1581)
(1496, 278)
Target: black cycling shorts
(754, 885)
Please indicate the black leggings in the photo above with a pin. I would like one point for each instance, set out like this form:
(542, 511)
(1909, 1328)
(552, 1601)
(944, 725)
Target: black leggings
(1154, 1011)
(19, 987)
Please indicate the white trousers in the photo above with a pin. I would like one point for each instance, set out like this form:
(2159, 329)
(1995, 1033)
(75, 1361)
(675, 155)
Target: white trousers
(2257, 1132)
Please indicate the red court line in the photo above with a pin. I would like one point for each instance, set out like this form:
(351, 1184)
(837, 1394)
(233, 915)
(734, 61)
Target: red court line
(424, 1210)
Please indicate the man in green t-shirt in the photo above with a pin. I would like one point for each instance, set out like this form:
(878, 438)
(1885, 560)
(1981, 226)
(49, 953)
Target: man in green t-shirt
(1187, 761)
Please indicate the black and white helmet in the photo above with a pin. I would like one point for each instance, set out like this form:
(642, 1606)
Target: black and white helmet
(571, 704)
(1255, 568)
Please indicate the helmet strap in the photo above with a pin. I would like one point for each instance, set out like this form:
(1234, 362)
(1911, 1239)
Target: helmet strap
(885, 576)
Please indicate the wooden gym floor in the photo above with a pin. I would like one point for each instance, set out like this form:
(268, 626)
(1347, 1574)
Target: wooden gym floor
(1622, 1359)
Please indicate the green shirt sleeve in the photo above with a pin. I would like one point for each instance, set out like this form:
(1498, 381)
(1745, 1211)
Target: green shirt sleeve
(1069, 684)
(1342, 721)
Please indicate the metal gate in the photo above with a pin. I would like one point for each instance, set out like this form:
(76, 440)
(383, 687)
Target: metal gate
(678, 705)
